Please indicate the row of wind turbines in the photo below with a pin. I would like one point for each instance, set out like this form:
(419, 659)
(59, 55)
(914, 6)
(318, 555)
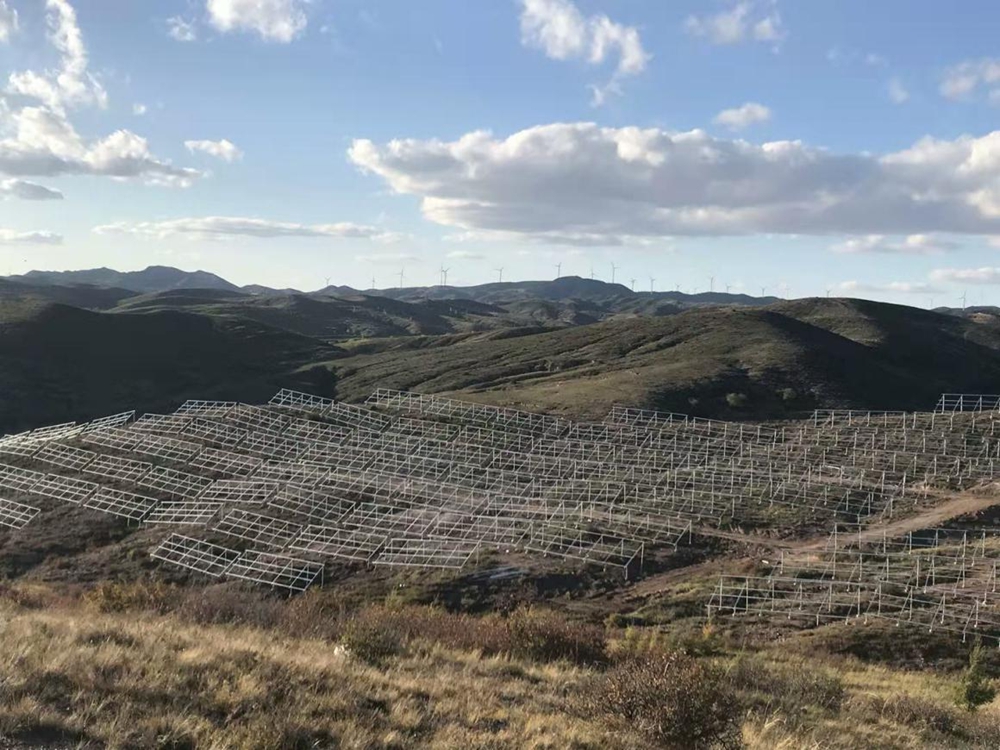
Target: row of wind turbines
(443, 280)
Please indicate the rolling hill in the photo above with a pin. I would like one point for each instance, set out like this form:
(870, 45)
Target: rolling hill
(151, 279)
(60, 363)
(786, 357)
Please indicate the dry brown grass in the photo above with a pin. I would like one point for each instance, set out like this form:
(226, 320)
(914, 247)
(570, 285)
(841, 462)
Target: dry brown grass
(172, 668)
(150, 681)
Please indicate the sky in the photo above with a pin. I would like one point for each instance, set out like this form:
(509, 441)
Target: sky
(794, 147)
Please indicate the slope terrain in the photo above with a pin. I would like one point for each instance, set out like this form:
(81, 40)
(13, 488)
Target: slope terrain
(789, 356)
(60, 363)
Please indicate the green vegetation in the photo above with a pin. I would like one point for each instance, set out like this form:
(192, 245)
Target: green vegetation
(976, 688)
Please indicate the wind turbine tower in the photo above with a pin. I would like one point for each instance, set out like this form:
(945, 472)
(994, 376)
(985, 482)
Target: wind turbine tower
(499, 274)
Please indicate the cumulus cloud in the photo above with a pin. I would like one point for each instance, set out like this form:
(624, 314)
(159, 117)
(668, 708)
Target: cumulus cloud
(71, 84)
(181, 30)
(896, 287)
(985, 275)
(235, 226)
(44, 143)
(27, 191)
(13, 237)
(897, 91)
(914, 244)
(609, 184)
(759, 21)
(562, 32)
(225, 150)
(743, 116)
(967, 78)
(272, 20)
(38, 138)
(139, 109)
(8, 22)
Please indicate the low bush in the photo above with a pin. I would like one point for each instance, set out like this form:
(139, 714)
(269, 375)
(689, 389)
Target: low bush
(673, 700)
(140, 596)
(227, 604)
(371, 640)
(791, 688)
(546, 636)
(908, 710)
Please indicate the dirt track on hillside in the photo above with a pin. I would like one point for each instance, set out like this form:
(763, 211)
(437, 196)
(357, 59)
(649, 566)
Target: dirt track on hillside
(956, 505)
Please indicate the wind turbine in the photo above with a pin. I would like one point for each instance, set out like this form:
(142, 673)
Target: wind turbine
(728, 287)
(500, 272)
(401, 277)
(559, 270)
(633, 284)
(591, 272)
(444, 275)
(763, 291)
(327, 281)
(964, 298)
(373, 283)
(711, 283)
(651, 282)
(828, 290)
(614, 269)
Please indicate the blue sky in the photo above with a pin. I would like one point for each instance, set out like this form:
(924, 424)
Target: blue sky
(800, 147)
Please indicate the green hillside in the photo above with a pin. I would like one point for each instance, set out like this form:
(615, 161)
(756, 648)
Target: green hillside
(788, 357)
(60, 363)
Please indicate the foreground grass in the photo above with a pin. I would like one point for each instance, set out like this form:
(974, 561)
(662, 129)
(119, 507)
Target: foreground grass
(154, 682)
(141, 678)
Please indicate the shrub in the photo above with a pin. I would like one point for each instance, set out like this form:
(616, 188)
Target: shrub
(736, 400)
(788, 394)
(908, 710)
(975, 688)
(368, 639)
(789, 687)
(141, 596)
(230, 605)
(672, 700)
(546, 636)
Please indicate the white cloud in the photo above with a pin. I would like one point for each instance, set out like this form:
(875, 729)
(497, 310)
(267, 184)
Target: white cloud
(963, 80)
(608, 184)
(914, 244)
(897, 91)
(39, 140)
(71, 84)
(139, 109)
(28, 191)
(465, 255)
(562, 32)
(895, 287)
(273, 20)
(743, 116)
(8, 22)
(235, 226)
(759, 21)
(12, 237)
(44, 143)
(225, 150)
(388, 258)
(986, 275)
(181, 30)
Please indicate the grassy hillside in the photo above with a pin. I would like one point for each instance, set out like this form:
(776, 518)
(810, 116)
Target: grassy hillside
(790, 356)
(224, 667)
(59, 362)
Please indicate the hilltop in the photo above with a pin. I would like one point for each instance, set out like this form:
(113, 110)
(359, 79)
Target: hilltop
(790, 356)
(153, 350)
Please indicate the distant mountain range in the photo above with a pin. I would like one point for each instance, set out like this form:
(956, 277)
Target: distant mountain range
(76, 345)
(152, 279)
